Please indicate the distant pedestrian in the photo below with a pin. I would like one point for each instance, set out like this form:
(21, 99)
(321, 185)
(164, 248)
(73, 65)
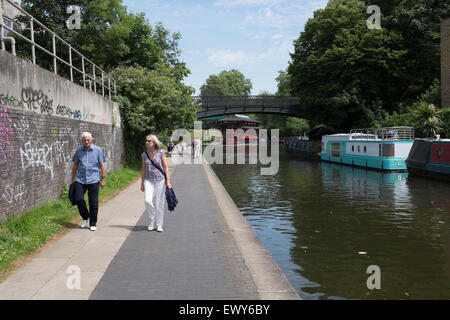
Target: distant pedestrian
(197, 148)
(88, 173)
(193, 147)
(170, 148)
(153, 183)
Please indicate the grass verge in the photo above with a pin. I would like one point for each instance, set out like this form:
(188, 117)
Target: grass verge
(21, 236)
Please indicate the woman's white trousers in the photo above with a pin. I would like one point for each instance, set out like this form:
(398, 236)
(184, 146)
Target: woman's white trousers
(154, 201)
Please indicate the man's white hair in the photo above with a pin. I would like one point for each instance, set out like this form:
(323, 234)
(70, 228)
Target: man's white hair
(86, 134)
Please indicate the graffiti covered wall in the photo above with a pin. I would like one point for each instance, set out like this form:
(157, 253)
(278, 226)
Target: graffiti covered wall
(39, 135)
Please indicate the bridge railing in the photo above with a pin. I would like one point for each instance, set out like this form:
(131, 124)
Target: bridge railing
(209, 102)
(95, 76)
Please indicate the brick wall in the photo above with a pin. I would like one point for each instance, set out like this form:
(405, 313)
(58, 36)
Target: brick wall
(445, 63)
(36, 154)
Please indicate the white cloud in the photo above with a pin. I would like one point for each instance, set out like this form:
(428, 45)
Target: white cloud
(265, 18)
(226, 58)
(274, 52)
(246, 3)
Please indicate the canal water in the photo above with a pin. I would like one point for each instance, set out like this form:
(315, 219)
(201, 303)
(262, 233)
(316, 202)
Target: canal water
(326, 224)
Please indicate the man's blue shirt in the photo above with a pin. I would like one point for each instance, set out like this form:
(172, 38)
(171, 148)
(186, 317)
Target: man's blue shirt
(88, 162)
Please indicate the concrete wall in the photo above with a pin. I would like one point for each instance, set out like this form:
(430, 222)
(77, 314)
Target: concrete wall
(445, 63)
(40, 130)
(10, 11)
(31, 88)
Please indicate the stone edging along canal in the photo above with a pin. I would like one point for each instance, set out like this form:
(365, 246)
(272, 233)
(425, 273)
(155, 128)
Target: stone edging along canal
(269, 279)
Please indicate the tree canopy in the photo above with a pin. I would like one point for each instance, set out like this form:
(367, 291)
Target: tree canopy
(349, 75)
(226, 83)
(145, 60)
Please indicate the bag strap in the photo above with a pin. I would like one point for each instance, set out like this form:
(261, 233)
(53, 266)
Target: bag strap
(156, 166)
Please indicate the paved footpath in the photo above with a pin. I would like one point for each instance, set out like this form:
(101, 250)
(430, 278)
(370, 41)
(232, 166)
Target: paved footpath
(207, 251)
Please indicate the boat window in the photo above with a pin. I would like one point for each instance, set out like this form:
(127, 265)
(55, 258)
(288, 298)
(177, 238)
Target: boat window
(359, 148)
(353, 148)
(388, 150)
(323, 147)
(336, 149)
(365, 149)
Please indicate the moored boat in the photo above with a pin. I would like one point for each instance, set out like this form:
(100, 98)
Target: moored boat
(374, 148)
(303, 147)
(430, 158)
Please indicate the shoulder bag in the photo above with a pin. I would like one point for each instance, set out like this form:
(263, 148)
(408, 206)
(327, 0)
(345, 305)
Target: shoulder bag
(171, 198)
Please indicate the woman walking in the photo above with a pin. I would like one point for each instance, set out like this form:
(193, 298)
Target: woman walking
(153, 183)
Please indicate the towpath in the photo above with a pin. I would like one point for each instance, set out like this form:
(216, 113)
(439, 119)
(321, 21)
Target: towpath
(207, 251)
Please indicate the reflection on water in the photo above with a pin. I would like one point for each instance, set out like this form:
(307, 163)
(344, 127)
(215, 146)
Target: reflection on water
(325, 224)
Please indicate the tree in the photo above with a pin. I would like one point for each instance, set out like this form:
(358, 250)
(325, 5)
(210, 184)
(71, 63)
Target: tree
(144, 59)
(296, 126)
(226, 83)
(418, 22)
(351, 76)
(152, 101)
(283, 83)
(109, 35)
(429, 120)
(343, 71)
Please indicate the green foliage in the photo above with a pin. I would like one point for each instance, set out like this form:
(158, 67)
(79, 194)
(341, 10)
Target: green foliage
(350, 76)
(296, 126)
(151, 101)
(397, 120)
(283, 83)
(145, 60)
(428, 120)
(417, 114)
(446, 123)
(432, 95)
(288, 126)
(109, 35)
(226, 83)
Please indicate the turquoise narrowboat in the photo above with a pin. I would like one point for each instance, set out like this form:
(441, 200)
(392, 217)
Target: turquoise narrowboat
(374, 148)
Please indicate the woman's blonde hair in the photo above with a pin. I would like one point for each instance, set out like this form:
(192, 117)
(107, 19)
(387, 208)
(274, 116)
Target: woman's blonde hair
(155, 138)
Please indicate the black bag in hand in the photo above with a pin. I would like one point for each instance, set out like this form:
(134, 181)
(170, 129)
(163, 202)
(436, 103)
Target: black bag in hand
(72, 194)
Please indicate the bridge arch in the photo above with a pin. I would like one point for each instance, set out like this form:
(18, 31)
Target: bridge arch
(213, 106)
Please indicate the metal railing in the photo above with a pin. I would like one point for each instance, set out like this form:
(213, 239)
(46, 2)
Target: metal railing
(388, 133)
(217, 102)
(268, 101)
(95, 78)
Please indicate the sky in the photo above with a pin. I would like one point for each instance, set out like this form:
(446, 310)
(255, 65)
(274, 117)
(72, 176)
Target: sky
(252, 36)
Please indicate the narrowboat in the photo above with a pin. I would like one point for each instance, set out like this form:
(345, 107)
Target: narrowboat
(383, 149)
(303, 147)
(430, 158)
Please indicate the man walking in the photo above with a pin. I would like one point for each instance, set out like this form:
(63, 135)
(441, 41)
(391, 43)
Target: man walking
(88, 173)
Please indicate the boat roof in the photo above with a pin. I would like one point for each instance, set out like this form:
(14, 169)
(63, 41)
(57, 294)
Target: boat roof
(239, 117)
(376, 134)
